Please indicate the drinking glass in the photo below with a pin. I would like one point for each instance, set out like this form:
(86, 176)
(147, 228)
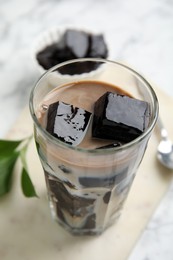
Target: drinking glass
(87, 188)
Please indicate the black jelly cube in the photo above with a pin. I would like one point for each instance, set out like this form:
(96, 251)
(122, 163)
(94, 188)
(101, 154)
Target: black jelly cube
(107, 197)
(74, 205)
(116, 144)
(119, 117)
(77, 42)
(103, 182)
(64, 168)
(67, 123)
(90, 222)
(45, 56)
(98, 46)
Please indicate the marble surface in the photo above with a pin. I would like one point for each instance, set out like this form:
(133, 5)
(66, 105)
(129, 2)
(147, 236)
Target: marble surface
(138, 33)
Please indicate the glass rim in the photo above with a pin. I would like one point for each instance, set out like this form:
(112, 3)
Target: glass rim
(101, 150)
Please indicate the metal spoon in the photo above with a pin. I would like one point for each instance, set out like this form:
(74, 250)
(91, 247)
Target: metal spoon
(165, 147)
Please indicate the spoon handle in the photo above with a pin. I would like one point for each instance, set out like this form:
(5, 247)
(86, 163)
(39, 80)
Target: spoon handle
(163, 131)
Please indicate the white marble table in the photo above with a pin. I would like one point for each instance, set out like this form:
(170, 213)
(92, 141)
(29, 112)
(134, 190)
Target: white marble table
(138, 32)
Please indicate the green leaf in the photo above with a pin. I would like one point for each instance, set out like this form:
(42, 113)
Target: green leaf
(8, 146)
(9, 152)
(26, 183)
(27, 186)
(23, 157)
(6, 169)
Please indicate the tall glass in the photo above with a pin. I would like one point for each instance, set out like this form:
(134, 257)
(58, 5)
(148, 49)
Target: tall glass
(88, 187)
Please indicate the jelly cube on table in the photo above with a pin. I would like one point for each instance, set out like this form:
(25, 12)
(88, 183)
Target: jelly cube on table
(119, 117)
(67, 123)
(98, 46)
(77, 42)
(46, 56)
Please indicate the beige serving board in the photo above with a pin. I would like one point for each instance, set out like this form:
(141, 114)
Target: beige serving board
(27, 231)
